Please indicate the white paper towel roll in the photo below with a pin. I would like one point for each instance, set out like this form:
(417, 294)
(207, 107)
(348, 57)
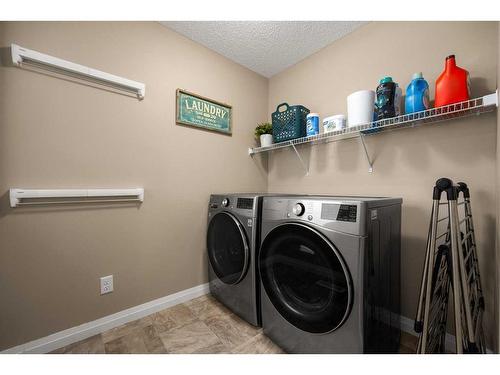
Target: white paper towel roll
(360, 107)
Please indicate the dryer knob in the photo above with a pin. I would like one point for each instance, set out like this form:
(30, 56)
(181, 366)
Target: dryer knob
(225, 202)
(298, 209)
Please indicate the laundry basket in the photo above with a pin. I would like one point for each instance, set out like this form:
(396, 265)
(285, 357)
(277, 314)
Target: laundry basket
(289, 123)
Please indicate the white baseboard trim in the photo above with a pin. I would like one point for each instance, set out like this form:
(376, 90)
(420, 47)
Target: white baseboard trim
(449, 342)
(407, 325)
(83, 331)
(71, 335)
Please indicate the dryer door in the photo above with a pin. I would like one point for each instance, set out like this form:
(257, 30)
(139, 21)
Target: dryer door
(227, 246)
(305, 278)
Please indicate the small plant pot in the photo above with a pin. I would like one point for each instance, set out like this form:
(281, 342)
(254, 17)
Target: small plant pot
(266, 140)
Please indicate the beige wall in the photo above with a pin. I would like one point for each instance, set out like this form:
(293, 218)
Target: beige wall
(407, 162)
(58, 134)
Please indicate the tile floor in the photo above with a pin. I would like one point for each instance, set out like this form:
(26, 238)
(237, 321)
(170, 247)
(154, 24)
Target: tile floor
(201, 325)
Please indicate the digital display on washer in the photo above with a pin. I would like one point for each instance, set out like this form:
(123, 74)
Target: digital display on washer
(347, 212)
(246, 203)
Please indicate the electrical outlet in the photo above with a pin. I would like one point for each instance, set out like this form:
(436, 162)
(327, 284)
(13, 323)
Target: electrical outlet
(106, 284)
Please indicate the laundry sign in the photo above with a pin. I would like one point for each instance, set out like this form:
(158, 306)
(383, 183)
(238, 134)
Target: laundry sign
(197, 111)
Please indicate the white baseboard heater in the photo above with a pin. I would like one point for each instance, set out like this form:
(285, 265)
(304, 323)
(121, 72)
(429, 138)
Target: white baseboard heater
(25, 197)
(22, 55)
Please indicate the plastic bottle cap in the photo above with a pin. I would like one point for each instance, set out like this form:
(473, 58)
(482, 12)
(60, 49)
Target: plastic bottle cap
(312, 115)
(450, 57)
(417, 75)
(386, 79)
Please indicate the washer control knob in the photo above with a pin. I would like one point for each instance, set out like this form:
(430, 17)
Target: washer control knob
(225, 202)
(298, 209)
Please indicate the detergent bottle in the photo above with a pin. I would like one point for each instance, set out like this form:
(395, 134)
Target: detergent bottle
(388, 99)
(417, 94)
(453, 84)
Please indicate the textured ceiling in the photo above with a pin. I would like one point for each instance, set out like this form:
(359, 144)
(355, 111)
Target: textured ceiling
(264, 47)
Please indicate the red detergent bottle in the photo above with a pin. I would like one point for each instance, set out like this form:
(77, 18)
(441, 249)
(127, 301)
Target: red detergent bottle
(453, 84)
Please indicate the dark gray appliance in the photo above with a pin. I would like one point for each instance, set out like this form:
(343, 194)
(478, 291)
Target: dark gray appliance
(232, 243)
(330, 273)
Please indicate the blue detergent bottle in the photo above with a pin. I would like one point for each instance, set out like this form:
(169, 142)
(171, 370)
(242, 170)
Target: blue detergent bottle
(417, 94)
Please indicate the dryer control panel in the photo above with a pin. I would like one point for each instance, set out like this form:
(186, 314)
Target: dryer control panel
(346, 216)
(241, 204)
(339, 212)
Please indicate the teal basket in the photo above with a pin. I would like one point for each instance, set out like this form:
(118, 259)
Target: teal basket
(289, 123)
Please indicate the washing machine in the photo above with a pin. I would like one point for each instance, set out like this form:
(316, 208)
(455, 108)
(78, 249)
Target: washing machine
(232, 244)
(330, 273)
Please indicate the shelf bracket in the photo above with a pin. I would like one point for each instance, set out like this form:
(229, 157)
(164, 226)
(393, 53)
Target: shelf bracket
(306, 168)
(370, 163)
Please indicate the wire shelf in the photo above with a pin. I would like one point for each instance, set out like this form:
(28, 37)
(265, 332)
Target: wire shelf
(475, 106)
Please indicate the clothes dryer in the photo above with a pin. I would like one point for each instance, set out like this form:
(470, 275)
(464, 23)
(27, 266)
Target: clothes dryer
(330, 273)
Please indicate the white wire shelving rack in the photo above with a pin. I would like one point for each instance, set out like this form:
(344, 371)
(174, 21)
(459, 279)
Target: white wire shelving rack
(477, 106)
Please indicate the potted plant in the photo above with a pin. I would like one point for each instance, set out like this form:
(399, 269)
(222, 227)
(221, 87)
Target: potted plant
(264, 132)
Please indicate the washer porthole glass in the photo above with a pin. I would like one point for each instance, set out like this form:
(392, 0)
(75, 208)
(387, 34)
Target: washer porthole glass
(305, 278)
(227, 247)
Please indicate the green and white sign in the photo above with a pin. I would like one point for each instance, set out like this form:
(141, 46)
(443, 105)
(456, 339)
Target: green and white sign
(200, 112)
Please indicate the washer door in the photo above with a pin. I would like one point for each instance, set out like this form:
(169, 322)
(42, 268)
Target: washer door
(305, 278)
(227, 246)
